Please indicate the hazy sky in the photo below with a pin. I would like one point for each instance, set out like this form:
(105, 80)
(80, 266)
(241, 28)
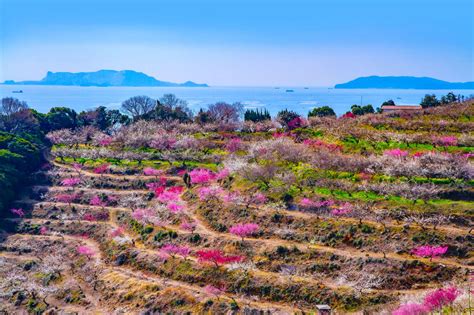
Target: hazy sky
(249, 43)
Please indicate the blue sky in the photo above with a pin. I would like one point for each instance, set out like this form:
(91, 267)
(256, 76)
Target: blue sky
(245, 43)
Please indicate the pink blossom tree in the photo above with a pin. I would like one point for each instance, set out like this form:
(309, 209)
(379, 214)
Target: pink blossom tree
(440, 298)
(398, 153)
(66, 198)
(86, 251)
(98, 202)
(173, 250)
(201, 176)
(118, 231)
(429, 251)
(102, 169)
(216, 257)
(233, 145)
(18, 212)
(149, 171)
(244, 230)
(188, 226)
(71, 182)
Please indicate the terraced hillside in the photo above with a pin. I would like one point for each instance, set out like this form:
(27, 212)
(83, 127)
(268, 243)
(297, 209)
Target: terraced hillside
(369, 214)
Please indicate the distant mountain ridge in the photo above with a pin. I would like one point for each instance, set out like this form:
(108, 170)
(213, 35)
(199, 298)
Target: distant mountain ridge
(403, 82)
(103, 78)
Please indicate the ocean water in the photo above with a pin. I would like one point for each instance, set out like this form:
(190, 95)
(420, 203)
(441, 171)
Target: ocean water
(42, 98)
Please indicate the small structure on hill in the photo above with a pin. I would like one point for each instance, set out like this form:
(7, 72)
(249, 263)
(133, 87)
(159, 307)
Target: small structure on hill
(323, 309)
(400, 108)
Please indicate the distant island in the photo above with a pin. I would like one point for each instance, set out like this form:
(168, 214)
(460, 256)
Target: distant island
(404, 82)
(103, 78)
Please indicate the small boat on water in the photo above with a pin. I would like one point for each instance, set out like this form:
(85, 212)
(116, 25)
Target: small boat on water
(19, 91)
(306, 88)
(289, 91)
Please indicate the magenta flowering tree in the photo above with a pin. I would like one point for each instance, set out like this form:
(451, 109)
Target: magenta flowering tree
(397, 153)
(222, 174)
(244, 230)
(343, 209)
(174, 250)
(71, 182)
(86, 251)
(66, 198)
(105, 141)
(102, 169)
(216, 257)
(98, 202)
(43, 230)
(18, 212)
(258, 199)
(433, 301)
(429, 251)
(206, 193)
(175, 207)
(149, 171)
(188, 226)
(436, 300)
(201, 176)
(117, 232)
(446, 141)
(233, 145)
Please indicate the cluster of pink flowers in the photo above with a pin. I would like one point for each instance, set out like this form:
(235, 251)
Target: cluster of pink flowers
(66, 198)
(119, 231)
(143, 215)
(149, 171)
(348, 115)
(434, 301)
(231, 197)
(201, 176)
(258, 199)
(43, 230)
(222, 174)
(429, 251)
(316, 143)
(86, 251)
(446, 141)
(71, 182)
(101, 169)
(398, 153)
(106, 141)
(297, 122)
(234, 144)
(173, 250)
(156, 185)
(244, 230)
(342, 209)
(216, 257)
(101, 216)
(175, 207)
(308, 203)
(188, 226)
(205, 193)
(163, 143)
(19, 212)
(98, 201)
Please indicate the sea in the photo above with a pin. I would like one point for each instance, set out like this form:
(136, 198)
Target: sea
(274, 99)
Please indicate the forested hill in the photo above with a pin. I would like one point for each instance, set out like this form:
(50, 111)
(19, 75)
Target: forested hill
(103, 78)
(405, 82)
